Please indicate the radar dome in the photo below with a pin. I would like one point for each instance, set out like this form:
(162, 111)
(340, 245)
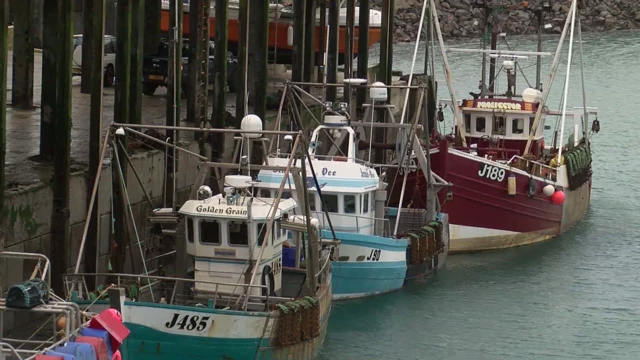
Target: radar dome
(378, 91)
(531, 95)
(251, 122)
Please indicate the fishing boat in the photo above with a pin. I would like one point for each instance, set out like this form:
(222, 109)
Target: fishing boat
(240, 301)
(62, 330)
(347, 196)
(280, 28)
(510, 188)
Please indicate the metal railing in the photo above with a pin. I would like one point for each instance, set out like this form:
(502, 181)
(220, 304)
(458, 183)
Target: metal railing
(552, 170)
(46, 272)
(211, 297)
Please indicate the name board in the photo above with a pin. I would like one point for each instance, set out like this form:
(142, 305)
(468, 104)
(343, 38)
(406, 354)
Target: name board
(367, 174)
(229, 210)
(498, 105)
(230, 253)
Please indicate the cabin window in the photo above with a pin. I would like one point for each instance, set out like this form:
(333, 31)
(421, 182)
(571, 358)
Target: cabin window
(531, 120)
(349, 204)
(238, 233)
(365, 203)
(481, 125)
(266, 193)
(286, 195)
(499, 124)
(467, 123)
(262, 232)
(210, 232)
(190, 230)
(331, 203)
(312, 201)
(517, 126)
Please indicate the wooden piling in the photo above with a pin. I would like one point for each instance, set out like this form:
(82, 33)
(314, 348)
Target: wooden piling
(61, 234)
(98, 8)
(23, 37)
(309, 42)
(260, 26)
(241, 87)
(49, 79)
(218, 112)
(322, 40)
(121, 115)
(4, 46)
(152, 32)
(297, 68)
(137, 50)
(86, 72)
(348, 49)
(363, 49)
(332, 51)
(174, 94)
(385, 68)
(198, 85)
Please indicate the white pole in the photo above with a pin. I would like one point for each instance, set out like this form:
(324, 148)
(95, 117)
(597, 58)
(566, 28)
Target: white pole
(566, 84)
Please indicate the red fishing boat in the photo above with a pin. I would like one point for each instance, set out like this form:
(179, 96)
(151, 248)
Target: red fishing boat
(509, 188)
(280, 29)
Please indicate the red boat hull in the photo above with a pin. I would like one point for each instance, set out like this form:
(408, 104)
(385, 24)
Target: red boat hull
(483, 216)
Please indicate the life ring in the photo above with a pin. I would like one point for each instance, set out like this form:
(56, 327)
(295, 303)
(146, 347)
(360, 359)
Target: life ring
(272, 282)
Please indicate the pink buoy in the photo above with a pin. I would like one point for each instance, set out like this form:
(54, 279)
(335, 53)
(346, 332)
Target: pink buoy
(558, 197)
(115, 313)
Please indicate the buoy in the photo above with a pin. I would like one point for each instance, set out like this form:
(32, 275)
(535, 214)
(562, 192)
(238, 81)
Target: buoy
(62, 322)
(511, 184)
(290, 35)
(548, 190)
(558, 197)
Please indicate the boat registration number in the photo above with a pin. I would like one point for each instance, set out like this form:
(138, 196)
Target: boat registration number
(156, 77)
(491, 172)
(188, 322)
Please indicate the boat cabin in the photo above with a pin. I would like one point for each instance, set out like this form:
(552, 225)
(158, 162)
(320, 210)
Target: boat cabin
(224, 232)
(500, 127)
(348, 186)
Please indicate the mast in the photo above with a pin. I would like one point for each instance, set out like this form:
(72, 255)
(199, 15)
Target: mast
(538, 85)
(487, 26)
(566, 81)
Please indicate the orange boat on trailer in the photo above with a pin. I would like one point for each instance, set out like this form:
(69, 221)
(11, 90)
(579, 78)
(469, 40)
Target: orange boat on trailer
(280, 47)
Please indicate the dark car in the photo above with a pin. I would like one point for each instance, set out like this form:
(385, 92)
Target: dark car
(155, 68)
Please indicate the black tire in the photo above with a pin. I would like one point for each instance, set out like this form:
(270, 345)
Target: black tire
(149, 89)
(109, 76)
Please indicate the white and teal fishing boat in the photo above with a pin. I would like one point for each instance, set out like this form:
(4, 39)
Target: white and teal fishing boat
(241, 301)
(347, 197)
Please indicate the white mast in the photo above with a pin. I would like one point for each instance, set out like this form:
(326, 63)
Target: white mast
(566, 83)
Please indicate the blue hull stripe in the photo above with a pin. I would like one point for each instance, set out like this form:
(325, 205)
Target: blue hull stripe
(368, 241)
(367, 278)
(344, 182)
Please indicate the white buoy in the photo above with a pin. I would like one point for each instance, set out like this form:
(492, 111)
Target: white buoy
(290, 35)
(548, 190)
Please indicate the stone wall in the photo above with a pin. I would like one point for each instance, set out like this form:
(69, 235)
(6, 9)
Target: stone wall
(27, 225)
(457, 17)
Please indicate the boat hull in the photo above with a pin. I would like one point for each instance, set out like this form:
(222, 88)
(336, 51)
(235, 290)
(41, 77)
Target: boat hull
(279, 49)
(229, 334)
(368, 265)
(482, 214)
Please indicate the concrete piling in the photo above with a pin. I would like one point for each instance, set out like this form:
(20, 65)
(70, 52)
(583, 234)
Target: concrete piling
(23, 41)
(197, 88)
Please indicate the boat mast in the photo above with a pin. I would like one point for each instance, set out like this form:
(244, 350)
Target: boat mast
(566, 82)
(552, 73)
(485, 31)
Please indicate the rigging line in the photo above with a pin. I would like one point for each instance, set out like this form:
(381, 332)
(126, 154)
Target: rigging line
(413, 62)
(568, 76)
(133, 220)
(584, 93)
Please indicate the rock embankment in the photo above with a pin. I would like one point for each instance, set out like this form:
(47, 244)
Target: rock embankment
(459, 18)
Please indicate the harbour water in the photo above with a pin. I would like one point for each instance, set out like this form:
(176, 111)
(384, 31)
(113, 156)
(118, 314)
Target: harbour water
(575, 297)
